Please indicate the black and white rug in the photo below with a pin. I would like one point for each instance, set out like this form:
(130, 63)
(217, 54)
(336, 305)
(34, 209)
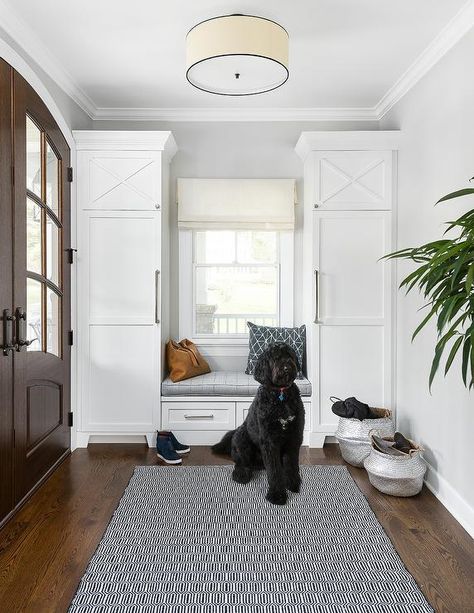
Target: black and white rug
(189, 540)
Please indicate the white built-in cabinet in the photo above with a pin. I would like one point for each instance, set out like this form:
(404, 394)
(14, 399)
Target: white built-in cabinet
(349, 205)
(122, 279)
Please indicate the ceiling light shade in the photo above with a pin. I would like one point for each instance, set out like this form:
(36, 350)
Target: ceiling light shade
(237, 55)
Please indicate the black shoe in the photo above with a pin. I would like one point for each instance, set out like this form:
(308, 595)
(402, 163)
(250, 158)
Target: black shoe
(177, 446)
(165, 451)
(402, 443)
(384, 446)
(360, 410)
(351, 408)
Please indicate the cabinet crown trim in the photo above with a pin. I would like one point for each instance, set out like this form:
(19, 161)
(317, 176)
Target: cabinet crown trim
(358, 140)
(125, 140)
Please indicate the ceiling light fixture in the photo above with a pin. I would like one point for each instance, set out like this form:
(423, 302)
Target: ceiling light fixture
(237, 55)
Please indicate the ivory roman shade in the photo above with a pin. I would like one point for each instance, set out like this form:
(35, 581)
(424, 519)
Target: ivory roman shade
(256, 204)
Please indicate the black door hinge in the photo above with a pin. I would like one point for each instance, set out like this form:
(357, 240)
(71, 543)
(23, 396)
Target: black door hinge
(70, 174)
(70, 337)
(70, 257)
(70, 419)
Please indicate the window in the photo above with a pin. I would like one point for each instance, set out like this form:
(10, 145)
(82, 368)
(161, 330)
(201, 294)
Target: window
(229, 277)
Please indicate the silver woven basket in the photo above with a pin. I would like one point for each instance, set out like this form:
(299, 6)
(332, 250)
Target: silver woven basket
(353, 435)
(396, 475)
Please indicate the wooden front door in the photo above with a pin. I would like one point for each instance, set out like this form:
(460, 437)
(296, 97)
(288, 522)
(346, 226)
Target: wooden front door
(38, 238)
(6, 299)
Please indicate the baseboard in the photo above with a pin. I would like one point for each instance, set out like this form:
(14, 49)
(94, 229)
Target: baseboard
(451, 499)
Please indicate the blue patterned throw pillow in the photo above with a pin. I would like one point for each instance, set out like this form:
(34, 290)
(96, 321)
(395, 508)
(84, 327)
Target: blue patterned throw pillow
(262, 336)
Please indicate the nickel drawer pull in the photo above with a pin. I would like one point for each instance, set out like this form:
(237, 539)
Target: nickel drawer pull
(199, 416)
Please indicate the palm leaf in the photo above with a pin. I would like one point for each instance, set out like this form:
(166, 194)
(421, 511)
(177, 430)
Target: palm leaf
(452, 353)
(461, 192)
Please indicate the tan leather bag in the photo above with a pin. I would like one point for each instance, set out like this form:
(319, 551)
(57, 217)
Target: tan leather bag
(184, 360)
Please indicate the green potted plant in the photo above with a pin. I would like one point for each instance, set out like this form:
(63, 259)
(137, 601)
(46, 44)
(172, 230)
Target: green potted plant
(445, 277)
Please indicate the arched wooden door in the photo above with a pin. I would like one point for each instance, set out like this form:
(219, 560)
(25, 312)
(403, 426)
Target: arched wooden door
(40, 293)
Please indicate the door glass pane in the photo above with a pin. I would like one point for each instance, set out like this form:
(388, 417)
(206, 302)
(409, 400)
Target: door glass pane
(33, 157)
(52, 251)
(53, 310)
(33, 236)
(33, 309)
(52, 179)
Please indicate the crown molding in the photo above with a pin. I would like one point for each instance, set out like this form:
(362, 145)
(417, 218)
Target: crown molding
(452, 33)
(357, 140)
(26, 38)
(132, 140)
(235, 114)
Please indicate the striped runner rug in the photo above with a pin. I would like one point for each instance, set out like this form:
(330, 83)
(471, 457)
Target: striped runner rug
(189, 540)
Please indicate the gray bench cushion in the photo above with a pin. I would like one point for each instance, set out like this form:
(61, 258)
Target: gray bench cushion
(221, 383)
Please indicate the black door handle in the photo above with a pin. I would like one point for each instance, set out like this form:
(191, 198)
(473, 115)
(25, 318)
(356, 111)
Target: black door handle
(20, 336)
(7, 332)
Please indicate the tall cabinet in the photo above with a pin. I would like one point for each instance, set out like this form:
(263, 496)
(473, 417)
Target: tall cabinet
(122, 269)
(349, 208)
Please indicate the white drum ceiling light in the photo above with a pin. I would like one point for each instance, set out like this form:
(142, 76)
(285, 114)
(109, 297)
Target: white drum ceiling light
(237, 55)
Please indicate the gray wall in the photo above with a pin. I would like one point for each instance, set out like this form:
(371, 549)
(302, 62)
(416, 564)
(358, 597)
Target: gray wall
(437, 156)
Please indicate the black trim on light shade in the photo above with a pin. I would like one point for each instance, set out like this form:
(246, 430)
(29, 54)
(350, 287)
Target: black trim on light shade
(212, 57)
(239, 15)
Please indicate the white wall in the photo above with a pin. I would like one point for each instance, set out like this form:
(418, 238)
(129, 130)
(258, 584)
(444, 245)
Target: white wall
(436, 157)
(235, 150)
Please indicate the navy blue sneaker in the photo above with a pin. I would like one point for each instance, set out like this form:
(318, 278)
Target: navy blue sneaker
(177, 446)
(165, 451)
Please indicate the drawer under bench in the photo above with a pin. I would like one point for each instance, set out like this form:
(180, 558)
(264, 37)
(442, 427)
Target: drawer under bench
(204, 420)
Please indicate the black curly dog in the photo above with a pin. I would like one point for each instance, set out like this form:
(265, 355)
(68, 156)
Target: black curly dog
(272, 432)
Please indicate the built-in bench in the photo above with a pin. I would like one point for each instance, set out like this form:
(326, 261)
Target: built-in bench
(203, 408)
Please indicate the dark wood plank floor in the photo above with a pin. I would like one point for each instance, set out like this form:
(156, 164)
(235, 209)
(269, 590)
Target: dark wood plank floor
(46, 547)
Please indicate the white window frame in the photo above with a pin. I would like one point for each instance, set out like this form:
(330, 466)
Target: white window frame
(186, 300)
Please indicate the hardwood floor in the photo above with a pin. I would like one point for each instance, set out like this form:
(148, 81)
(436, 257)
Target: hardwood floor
(44, 550)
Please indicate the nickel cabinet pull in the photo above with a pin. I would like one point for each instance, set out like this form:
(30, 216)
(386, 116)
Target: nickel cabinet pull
(211, 416)
(157, 296)
(316, 296)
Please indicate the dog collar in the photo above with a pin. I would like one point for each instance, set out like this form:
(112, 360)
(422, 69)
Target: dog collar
(281, 392)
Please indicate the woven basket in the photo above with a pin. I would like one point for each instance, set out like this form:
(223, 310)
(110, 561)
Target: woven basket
(353, 435)
(396, 475)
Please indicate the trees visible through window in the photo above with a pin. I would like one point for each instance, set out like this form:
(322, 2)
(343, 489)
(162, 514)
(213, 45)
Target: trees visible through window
(235, 280)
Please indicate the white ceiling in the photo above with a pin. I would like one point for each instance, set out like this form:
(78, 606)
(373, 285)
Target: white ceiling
(122, 54)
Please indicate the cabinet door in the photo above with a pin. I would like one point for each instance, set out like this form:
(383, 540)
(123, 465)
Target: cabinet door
(352, 306)
(348, 180)
(119, 280)
(119, 181)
